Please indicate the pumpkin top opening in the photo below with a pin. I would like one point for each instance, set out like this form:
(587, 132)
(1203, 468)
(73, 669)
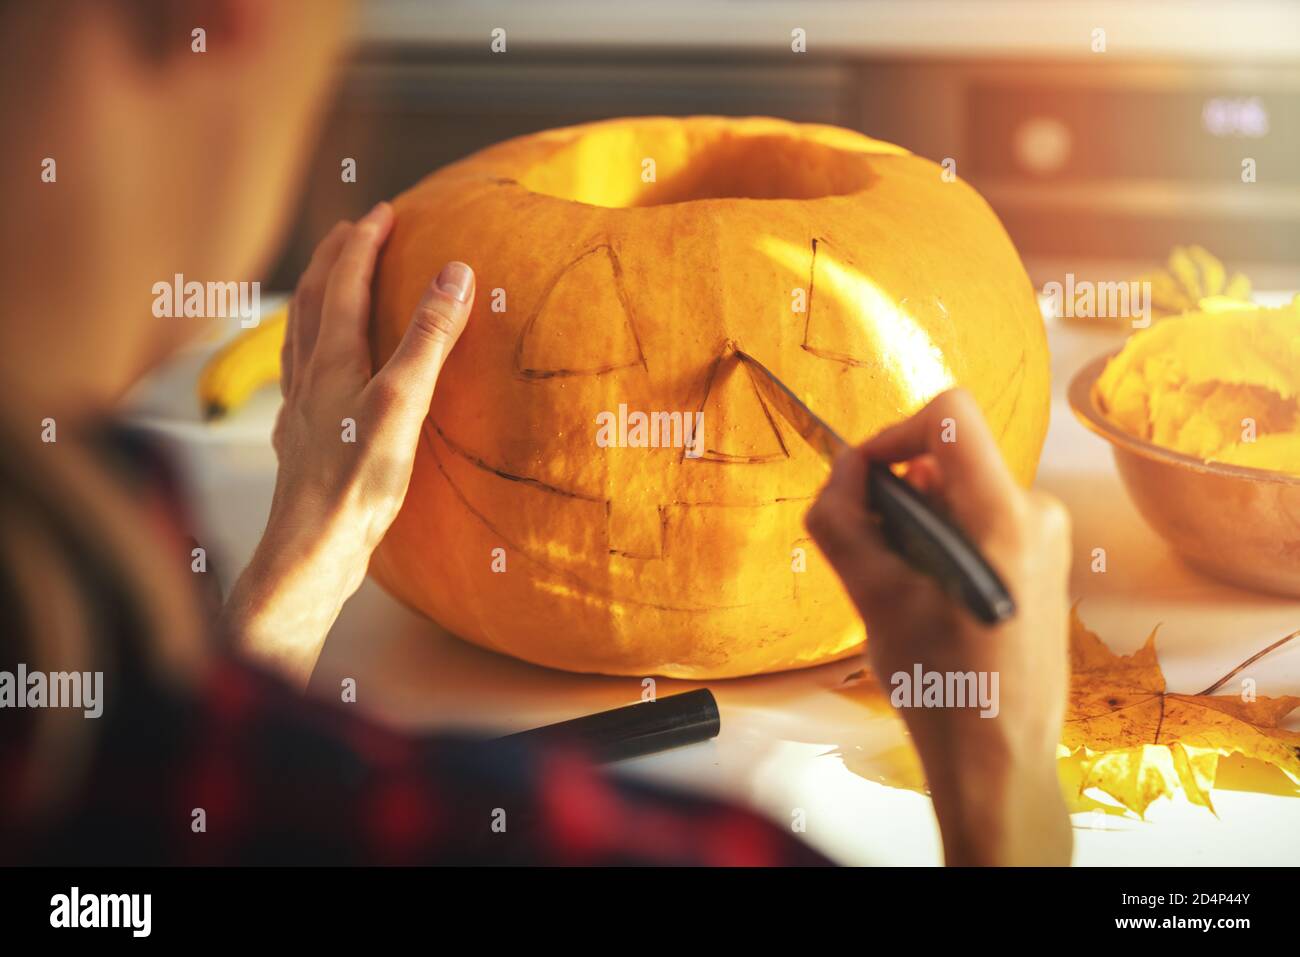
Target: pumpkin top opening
(622, 167)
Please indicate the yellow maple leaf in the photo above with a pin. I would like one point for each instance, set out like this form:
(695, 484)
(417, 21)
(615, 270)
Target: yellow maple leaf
(1137, 742)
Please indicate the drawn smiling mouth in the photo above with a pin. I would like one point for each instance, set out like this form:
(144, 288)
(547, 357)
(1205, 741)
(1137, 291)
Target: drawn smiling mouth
(623, 585)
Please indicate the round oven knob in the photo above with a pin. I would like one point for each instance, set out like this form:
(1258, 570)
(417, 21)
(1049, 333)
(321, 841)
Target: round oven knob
(1042, 144)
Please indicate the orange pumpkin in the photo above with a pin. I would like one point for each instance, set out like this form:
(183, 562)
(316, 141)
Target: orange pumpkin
(622, 264)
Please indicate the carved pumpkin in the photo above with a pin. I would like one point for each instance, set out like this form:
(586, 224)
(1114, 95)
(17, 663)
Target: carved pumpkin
(621, 264)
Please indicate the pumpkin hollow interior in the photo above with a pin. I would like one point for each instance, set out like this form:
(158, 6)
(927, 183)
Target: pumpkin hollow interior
(718, 164)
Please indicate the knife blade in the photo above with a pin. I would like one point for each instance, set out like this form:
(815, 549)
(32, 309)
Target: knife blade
(912, 526)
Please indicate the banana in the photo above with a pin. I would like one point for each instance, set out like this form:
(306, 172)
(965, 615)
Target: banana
(241, 367)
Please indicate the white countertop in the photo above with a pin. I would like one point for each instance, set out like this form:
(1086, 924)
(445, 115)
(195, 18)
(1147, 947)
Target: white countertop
(799, 740)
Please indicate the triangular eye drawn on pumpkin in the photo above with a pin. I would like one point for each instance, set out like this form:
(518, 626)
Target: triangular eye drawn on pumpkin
(853, 321)
(552, 344)
(829, 338)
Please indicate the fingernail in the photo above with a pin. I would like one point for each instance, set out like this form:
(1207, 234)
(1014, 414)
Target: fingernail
(375, 210)
(456, 279)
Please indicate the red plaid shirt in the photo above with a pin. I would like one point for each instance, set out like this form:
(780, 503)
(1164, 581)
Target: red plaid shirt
(247, 771)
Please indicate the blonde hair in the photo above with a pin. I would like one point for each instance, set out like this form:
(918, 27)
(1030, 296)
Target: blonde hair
(89, 589)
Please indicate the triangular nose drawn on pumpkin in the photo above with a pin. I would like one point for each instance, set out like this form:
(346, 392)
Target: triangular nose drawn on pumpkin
(553, 345)
(732, 406)
(853, 321)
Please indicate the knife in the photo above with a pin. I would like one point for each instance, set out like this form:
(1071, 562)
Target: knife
(926, 539)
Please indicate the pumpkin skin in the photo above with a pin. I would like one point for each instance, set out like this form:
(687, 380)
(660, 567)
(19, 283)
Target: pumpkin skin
(642, 561)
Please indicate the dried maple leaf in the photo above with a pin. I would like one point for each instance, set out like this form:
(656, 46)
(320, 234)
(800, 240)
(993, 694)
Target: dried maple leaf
(1140, 742)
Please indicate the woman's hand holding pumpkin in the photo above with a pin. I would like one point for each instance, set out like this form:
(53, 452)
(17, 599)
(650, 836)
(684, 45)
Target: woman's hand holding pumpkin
(345, 439)
(993, 779)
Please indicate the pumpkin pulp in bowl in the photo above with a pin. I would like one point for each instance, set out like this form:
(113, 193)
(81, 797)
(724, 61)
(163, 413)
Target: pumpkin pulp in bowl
(1193, 407)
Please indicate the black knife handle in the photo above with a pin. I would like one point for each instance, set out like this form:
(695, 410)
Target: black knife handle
(635, 729)
(935, 546)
